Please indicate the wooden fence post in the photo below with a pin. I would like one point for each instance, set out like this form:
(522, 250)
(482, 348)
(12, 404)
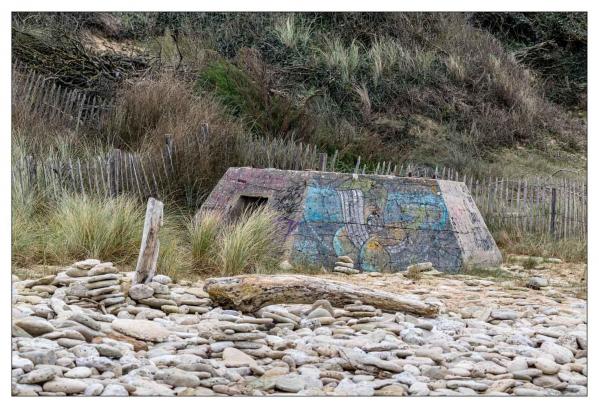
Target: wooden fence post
(112, 173)
(323, 161)
(150, 244)
(168, 149)
(357, 168)
(553, 211)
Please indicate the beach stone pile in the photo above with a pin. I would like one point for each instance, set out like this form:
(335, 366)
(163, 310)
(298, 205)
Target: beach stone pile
(94, 284)
(345, 264)
(168, 339)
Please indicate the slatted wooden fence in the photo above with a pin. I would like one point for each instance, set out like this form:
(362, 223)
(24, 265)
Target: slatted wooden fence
(42, 98)
(552, 206)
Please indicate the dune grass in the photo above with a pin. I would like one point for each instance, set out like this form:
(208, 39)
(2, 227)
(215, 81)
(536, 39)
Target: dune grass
(249, 243)
(203, 232)
(86, 227)
(76, 227)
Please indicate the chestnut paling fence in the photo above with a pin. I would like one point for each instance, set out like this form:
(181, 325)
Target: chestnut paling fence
(552, 206)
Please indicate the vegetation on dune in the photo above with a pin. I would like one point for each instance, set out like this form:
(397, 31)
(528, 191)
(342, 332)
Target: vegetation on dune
(83, 226)
(483, 93)
(251, 244)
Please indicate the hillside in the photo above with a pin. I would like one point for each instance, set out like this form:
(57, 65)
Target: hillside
(431, 89)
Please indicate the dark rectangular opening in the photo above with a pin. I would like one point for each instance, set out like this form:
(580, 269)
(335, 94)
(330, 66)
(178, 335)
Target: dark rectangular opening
(247, 203)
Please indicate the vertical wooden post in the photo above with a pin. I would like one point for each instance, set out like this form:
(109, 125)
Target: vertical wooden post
(553, 211)
(111, 169)
(322, 158)
(168, 149)
(357, 168)
(31, 171)
(150, 244)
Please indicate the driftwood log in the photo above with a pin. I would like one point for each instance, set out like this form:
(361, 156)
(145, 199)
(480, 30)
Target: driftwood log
(150, 245)
(248, 293)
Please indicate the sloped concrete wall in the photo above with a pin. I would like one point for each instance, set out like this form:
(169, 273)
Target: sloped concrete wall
(383, 223)
(477, 245)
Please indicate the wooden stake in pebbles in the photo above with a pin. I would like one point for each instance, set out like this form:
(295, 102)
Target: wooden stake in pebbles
(150, 244)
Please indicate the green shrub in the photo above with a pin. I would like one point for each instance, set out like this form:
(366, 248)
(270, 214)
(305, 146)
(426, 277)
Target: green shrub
(249, 96)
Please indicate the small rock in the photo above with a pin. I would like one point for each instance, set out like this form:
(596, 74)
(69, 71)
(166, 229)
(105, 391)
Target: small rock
(177, 377)
(86, 264)
(78, 372)
(162, 279)
(141, 329)
(344, 269)
(114, 390)
(66, 385)
(22, 363)
(419, 388)
(420, 267)
(547, 366)
(537, 282)
(102, 269)
(504, 314)
(345, 258)
(40, 375)
(348, 388)
(36, 326)
(233, 357)
(318, 312)
(561, 354)
(93, 390)
(290, 383)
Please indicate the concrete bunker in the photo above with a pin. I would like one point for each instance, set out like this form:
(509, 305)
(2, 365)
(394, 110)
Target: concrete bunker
(384, 223)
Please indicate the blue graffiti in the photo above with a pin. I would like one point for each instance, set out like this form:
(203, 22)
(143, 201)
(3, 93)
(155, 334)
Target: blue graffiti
(427, 210)
(322, 205)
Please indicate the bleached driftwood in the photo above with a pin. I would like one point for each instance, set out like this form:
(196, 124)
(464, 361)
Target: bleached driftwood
(248, 293)
(150, 244)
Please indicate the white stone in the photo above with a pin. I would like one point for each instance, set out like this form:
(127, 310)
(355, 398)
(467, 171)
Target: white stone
(36, 326)
(163, 279)
(233, 357)
(37, 376)
(561, 354)
(547, 366)
(66, 385)
(86, 264)
(114, 390)
(141, 329)
(79, 372)
(177, 377)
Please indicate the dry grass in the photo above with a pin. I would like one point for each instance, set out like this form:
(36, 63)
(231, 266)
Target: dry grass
(84, 227)
(338, 57)
(539, 245)
(249, 244)
(292, 32)
(77, 227)
(204, 231)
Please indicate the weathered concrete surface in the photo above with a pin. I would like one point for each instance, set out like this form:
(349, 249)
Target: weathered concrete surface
(383, 223)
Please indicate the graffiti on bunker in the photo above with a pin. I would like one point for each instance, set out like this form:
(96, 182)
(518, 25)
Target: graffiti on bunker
(374, 223)
(383, 223)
